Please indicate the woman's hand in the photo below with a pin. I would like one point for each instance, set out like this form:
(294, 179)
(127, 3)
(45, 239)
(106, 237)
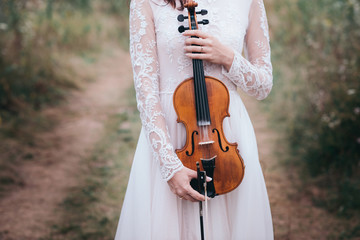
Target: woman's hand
(209, 48)
(180, 185)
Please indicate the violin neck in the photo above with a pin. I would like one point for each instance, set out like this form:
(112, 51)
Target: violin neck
(201, 98)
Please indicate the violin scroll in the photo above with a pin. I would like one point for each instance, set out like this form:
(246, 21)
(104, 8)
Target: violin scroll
(192, 14)
(190, 5)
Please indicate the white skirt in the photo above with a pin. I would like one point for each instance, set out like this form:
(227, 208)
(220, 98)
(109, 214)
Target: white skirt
(151, 211)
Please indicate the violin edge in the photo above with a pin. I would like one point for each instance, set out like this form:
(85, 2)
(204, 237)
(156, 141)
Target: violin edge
(182, 151)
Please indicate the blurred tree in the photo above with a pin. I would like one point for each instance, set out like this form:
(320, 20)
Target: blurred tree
(321, 40)
(31, 34)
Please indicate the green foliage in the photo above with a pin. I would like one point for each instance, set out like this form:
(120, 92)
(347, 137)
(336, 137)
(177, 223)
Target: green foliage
(40, 43)
(91, 210)
(318, 95)
(33, 35)
(120, 7)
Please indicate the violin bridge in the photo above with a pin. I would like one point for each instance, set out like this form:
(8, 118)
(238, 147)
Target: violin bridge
(209, 159)
(206, 143)
(203, 123)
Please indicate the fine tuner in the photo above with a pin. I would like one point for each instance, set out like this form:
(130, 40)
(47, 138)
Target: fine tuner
(181, 18)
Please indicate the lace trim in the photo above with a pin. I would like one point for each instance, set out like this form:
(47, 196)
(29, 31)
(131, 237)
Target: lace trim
(146, 81)
(255, 77)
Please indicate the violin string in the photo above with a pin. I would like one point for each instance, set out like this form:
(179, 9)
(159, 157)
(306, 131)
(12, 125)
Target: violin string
(205, 96)
(205, 109)
(201, 83)
(196, 91)
(197, 79)
(200, 90)
(197, 100)
(204, 99)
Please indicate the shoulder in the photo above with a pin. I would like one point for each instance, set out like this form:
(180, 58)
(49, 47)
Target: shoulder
(149, 2)
(158, 2)
(146, 5)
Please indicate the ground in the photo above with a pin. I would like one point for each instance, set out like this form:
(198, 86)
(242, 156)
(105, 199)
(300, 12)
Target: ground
(31, 210)
(26, 211)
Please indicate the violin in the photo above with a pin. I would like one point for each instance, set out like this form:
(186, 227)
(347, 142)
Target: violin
(201, 104)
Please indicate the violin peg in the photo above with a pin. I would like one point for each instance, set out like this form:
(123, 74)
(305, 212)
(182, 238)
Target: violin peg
(181, 18)
(202, 12)
(204, 22)
(182, 29)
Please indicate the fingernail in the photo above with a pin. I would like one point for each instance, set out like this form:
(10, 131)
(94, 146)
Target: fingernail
(208, 179)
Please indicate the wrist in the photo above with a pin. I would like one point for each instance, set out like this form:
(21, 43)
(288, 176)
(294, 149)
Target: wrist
(228, 59)
(174, 172)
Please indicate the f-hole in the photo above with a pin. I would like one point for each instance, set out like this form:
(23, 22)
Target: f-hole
(221, 147)
(192, 144)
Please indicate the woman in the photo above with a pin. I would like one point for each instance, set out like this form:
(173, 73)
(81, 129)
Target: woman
(159, 202)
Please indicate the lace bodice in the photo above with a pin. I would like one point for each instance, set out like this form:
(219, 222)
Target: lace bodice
(160, 65)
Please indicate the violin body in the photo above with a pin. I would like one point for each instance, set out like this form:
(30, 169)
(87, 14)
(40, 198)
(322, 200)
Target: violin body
(208, 142)
(201, 104)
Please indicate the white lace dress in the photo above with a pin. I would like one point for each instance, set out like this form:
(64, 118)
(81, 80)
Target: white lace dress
(150, 210)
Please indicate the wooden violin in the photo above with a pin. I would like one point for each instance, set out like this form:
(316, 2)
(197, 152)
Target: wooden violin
(201, 104)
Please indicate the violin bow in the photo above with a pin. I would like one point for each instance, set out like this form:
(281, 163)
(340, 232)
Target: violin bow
(201, 177)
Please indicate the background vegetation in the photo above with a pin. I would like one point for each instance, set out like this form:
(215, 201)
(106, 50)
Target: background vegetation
(315, 102)
(33, 36)
(38, 40)
(316, 54)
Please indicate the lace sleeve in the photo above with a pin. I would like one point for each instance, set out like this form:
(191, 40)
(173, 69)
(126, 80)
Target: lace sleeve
(146, 80)
(254, 74)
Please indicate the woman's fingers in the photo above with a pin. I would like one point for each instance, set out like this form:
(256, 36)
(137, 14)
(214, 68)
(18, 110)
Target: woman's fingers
(192, 195)
(180, 185)
(192, 174)
(197, 33)
(186, 194)
(195, 195)
(189, 198)
(198, 56)
(196, 41)
(212, 49)
(190, 191)
(197, 49)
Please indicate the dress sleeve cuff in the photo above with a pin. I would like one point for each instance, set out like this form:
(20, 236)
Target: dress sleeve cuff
(167, 175)
(233, 72)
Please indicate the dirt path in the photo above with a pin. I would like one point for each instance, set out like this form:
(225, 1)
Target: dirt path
(294, 215)
(26, 212)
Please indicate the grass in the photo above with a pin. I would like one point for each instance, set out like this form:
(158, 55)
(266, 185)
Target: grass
(39, 75)
(92, 209)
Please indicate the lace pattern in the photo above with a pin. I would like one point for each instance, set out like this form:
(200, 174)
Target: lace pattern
(146, 81)
(155, 42)
(254, 76)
